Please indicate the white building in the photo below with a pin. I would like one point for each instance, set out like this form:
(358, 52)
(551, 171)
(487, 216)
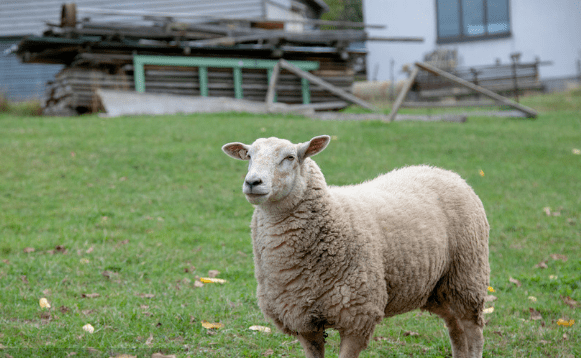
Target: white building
(482, 31)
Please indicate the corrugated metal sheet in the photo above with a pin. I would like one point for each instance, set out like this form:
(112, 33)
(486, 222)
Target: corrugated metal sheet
(21, 82)
(24, 17)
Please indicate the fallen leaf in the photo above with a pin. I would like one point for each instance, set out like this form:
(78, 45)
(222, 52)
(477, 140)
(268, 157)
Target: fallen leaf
(552, 277)
(87, 312)
(559, 257)
(90, 295)
(562, 322)
(490, 289)
(488, 310)
(565, 337)
(515, 281)
(89, 250)
(43, 302)
(124, 242)
(64, 309)
(45, 316)
(84, 261)
(149, 340)
(159, 355)
(268, 352)
(24, 279)
(88, 328)
(212, 280)
(535, 315)
(542, 341)
(61, 249)
(411, 334)
(481, 172)
(198, 284)
(489, 298)
(146, 295)
(576, 151)
(542, 265)
(569, 302)
(28, 250)
(532, 298)
(7, 262)
(213, 273)
(259, 328)
(547, 210)
(209, 325)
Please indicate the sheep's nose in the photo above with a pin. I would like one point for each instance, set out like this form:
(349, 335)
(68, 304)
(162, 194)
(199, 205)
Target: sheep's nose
(253, 182)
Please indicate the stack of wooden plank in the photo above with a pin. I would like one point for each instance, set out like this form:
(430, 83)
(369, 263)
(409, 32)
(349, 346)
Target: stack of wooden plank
(100, 55)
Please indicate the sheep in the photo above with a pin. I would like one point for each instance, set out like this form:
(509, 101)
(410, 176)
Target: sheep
(346, 257)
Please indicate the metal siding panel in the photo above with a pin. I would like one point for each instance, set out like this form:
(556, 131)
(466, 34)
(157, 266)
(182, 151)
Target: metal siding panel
(23, 81)
(22, 17)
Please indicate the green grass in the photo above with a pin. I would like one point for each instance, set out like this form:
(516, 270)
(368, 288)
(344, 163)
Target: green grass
(148, 198)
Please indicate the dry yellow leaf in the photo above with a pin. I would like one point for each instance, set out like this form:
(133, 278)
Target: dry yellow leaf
(212, 280)
(43, 302)
(259, 328)
(84, 261)
(562, 322)
(533, 298)
(481, 172)
(488, 310)
(210, 325)
(491, 289)
(88, 328)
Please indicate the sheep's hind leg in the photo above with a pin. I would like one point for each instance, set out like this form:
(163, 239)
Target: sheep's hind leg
(313, 343)
(351, 346)
(456, 330)
(475, 338)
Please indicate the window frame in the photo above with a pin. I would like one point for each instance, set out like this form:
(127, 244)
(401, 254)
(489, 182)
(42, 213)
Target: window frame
(466, 38)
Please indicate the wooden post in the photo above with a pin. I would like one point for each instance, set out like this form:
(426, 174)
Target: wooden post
(326, 85)
(531, 113)
(203, 79)
(271, 92)
(402, 94)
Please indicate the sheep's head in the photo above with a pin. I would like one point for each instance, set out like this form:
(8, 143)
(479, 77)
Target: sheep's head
(274, 169)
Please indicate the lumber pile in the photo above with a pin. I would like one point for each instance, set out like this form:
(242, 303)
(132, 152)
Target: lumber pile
(100, 56)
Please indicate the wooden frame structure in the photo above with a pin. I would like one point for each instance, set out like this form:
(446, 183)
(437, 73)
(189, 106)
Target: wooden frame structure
(237, 64)
(529, 112)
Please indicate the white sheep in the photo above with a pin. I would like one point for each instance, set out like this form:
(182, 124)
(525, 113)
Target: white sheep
(346, 257)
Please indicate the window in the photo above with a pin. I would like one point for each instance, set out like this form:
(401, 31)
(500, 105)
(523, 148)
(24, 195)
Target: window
(469, 20)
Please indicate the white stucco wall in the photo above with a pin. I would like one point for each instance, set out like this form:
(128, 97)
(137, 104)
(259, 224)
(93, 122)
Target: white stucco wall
(549, 30)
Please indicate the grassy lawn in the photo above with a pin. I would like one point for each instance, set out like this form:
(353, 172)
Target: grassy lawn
(114, 221)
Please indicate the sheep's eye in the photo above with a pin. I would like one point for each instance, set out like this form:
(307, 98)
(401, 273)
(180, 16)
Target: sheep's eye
(290, 158)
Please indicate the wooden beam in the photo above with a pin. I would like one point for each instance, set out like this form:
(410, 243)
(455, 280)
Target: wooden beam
(395, 39)
(271, 92)
(402, 94)
(326, 85)
(531, 113)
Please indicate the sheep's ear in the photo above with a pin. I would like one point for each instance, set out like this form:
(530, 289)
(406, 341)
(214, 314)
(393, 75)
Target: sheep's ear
(237, 150)
(312, 147)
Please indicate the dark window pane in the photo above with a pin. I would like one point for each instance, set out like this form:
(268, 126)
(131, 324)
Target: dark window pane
(498, 16)
(473, 16)
(448, 19)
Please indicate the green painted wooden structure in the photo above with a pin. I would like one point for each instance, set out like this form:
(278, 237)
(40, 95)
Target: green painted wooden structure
(237, 64)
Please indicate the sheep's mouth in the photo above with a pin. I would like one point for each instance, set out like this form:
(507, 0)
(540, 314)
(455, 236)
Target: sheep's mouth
(256, 195)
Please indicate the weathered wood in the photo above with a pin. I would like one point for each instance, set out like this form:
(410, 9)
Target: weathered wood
(333, 116)
(401, 96)
(271, 91)
(395, 39)
(326, 85)
(531, 113)
(449, 104)
(320, 106)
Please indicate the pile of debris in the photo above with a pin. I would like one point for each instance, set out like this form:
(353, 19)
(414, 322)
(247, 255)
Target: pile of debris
(102, 56)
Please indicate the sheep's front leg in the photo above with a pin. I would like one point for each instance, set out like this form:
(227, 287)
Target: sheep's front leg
(313, 343)
(351, 346)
